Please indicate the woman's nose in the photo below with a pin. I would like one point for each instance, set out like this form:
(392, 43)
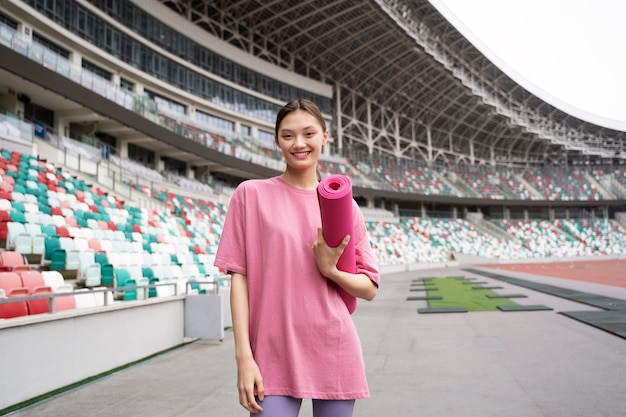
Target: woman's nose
(300, 141)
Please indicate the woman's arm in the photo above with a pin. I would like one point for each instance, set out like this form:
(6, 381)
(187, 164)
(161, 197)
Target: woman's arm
(248, 374)
(357, 285)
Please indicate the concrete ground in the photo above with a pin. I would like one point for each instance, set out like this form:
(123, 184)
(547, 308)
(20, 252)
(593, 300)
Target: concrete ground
(477, 364)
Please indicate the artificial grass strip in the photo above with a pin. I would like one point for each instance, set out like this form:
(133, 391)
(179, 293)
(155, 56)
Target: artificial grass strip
(455, 293)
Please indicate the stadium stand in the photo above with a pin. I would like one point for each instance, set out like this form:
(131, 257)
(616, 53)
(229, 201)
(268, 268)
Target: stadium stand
(93, 224)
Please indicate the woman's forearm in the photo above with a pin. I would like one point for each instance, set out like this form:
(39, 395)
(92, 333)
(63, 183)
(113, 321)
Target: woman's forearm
(357, 285)
(240, 315)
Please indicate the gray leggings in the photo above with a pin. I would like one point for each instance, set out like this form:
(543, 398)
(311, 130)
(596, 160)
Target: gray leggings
(283, 406)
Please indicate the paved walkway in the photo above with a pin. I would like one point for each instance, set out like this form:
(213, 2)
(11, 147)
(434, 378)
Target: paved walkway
(477, 364)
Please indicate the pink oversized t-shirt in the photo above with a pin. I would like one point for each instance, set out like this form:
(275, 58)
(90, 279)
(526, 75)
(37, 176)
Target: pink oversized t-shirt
(301, 333)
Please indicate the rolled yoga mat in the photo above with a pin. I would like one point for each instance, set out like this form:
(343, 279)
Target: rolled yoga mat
(335, 198)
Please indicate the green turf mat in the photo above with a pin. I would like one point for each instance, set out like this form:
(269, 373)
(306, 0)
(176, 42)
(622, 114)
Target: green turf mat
(536, 307)
(426, 297)
(456, 293)
(506, 296)
(428, 310)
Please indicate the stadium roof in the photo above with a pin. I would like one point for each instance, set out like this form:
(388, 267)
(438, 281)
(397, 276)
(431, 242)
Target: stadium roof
(408, 83)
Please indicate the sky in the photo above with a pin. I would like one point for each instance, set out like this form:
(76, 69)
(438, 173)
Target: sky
(570, 53)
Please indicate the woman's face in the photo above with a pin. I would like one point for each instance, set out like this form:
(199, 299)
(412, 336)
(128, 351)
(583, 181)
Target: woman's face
(300, 138)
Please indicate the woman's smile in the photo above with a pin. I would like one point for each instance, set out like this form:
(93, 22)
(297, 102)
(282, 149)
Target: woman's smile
(301, 154)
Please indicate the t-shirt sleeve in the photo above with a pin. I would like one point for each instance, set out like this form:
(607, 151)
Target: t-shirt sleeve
(365, 261)
(231, 252)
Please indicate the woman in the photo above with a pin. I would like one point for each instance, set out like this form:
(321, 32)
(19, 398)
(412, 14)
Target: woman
(294, 337)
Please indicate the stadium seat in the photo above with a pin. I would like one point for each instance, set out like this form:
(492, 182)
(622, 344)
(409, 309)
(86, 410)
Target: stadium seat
(148, 274)
(14, 309)
(11, 286)
(53, 279)
(64, 302)
(23, 244)
(71, 253)
(14, 229)
(104, 297)
(107, 274)
(122, 278)
(13, 261)
(93, 275)
(39, 306)
(35, 283)
(84, 298)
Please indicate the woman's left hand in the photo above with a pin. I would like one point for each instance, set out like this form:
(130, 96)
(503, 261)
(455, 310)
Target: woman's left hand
(327, 257)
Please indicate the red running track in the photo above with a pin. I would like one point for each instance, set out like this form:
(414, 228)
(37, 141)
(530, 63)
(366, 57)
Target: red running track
(611, 272)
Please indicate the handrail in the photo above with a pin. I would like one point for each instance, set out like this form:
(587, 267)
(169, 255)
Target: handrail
(216, 282)
(51, 296)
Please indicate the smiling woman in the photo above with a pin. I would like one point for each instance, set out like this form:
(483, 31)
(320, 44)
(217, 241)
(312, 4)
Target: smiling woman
(294, 336)
(570, 53)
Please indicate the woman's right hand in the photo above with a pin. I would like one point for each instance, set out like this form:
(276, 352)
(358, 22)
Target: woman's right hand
(249, 377)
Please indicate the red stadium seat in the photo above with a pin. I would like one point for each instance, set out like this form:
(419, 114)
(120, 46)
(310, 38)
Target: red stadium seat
(41, 306)
(65, 302)
(14, 309)
(11, 286)
(12, 261)
(95, 245)
(5, 216)
(4, 229)
(62, 231)
(34, 282)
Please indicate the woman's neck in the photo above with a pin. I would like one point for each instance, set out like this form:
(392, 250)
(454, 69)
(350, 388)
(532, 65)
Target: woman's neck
(305, 180)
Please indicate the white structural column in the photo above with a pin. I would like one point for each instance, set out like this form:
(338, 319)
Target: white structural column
(338, 119)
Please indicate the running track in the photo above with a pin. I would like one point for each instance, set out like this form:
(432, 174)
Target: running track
(606, 272)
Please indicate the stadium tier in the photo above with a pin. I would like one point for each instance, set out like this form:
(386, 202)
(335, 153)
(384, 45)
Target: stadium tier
(58, 234)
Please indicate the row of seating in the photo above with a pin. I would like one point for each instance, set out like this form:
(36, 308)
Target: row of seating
(26, 282)
(423, 240)
(405, 176)
(17, 279)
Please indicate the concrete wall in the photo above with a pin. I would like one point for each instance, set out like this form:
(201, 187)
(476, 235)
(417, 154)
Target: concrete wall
(42, 353)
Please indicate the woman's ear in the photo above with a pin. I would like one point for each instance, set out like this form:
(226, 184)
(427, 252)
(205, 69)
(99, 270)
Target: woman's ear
(325, 141)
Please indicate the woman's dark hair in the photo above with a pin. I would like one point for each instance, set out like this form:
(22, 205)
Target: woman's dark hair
(298, 104)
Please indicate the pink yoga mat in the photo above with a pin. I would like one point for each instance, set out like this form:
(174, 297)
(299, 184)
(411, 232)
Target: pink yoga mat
(335, 198)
